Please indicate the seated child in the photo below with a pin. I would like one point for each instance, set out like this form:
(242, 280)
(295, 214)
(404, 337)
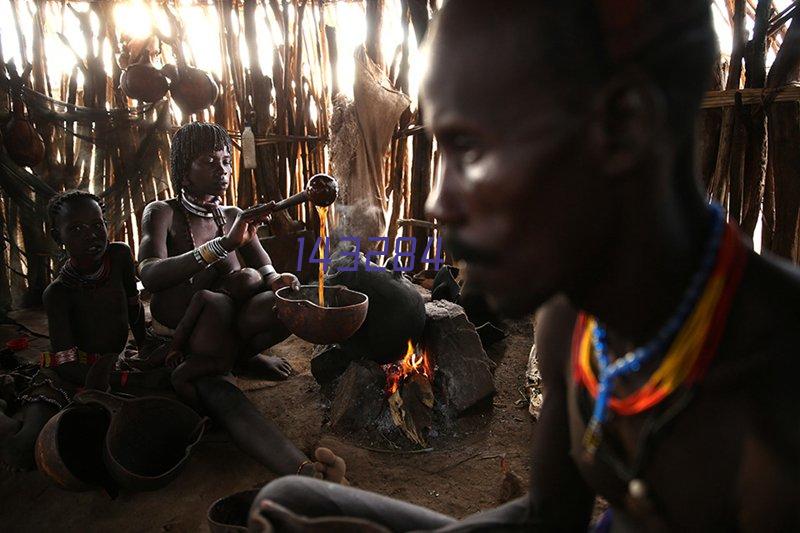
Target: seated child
(240, 286)
(90, 307)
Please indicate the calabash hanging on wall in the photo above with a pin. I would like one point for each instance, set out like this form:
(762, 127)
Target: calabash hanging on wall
(193, 90)
(23, 143)
(143, 81)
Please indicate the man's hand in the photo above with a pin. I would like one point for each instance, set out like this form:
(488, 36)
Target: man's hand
(246, 225)
(286, 279)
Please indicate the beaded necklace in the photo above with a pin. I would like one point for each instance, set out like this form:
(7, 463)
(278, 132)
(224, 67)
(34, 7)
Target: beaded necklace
(72, 278)
(689, 339)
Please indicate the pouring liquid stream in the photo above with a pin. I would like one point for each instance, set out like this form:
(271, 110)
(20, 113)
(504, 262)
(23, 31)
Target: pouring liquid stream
(323, 235)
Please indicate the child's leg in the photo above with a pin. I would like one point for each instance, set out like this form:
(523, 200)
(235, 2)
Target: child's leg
(187, 324)
(206, 333)
(16, 451)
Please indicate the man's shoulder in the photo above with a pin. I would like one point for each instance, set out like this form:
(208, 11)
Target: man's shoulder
(758, 350)
(765, 308)
(772, 274)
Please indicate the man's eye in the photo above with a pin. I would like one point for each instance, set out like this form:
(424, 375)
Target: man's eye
(467, 147)
(226, 162)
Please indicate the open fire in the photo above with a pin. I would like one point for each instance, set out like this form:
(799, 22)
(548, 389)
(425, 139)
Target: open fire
(412, 363)
(408, 386)
(417, 400)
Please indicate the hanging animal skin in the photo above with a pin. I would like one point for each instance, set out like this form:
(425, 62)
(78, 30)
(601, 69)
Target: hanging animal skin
(194, 90)
(144, 82)
(23, 143)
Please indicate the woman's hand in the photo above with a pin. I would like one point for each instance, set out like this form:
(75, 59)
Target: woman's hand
(286, 279)
(246, 225)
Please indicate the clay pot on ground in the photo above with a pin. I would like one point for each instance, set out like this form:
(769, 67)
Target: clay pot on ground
(23, 143)
(193, 90)
(144, 82)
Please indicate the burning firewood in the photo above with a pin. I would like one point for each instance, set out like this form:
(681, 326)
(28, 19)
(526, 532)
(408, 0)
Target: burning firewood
(411, 407)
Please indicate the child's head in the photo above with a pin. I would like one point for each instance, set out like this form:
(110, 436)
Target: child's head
(77, 222)
(200, 159)
(242, 285)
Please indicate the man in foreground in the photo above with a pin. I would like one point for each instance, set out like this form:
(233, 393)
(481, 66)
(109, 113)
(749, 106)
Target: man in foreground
(666, 345)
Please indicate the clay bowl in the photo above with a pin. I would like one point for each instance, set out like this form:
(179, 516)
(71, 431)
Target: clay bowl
(69, 449)
(149, 439)
(343, 314)
(229, 514)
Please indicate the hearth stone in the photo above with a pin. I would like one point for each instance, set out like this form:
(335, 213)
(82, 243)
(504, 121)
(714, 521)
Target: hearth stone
(359, 397)
(463, 370)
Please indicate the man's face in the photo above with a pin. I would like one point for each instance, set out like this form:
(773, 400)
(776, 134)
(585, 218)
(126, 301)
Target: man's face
(209, 174)
(82, 230)
(517, 193)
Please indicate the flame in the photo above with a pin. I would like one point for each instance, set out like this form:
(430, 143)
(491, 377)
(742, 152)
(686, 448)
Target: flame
(412, 363)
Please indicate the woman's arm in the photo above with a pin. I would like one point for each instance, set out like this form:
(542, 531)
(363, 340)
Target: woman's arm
(157, 270)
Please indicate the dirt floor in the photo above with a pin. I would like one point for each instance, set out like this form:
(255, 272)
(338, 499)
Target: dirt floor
(464, 478)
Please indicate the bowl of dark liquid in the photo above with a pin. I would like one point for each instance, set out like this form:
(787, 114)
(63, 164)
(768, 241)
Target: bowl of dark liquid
(334, 319)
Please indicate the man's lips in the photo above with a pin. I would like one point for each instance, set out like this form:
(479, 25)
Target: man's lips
(466, 252)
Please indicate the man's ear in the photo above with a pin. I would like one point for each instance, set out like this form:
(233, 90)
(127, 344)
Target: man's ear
(628, 114)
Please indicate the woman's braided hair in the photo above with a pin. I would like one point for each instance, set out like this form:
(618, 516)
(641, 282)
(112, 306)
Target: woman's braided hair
(61, 199)
(192, 139)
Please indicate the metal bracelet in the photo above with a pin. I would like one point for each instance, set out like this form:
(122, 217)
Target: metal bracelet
(217, 248)
(269, 274)
(208, 255)
(267, 270)
(199, 257)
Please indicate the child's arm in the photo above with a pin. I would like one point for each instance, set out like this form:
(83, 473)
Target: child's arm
(62, 342)
(58, 308)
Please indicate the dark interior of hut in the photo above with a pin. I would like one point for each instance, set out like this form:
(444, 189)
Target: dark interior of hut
(399, 265)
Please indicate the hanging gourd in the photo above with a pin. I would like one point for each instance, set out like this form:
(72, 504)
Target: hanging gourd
(193, 89)
(144, 82)
(23, 143)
